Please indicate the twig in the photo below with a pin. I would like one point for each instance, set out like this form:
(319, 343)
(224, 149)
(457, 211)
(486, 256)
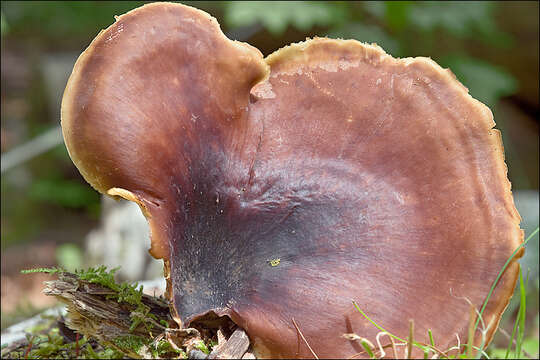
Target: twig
(381, 348)
(76, 344)
(235, 347)
(410, 339)
(27, 352)
(303, 338)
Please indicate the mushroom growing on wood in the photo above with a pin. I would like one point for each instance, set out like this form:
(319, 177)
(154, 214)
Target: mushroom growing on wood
(282, 188)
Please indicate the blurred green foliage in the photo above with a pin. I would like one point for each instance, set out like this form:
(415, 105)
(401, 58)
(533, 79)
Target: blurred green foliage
(486, 82)
(464, 19)
(69, 193)
(394, 25)
(278, 15)
(402, 28)
(61, 23)
(529, 345)
(387, 24)
(3, 24)
(69, 257)
(444, 30)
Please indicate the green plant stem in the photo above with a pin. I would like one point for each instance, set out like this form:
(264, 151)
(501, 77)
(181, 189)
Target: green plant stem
(500, 275)
(522, 313)
(418, 345)
(431, 338)
(512, 338)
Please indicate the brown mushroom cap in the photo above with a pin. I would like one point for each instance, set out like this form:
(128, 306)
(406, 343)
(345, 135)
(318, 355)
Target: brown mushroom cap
(283, 188)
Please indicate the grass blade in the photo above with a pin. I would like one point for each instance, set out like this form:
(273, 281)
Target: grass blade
(522, 313)
(432, 343)
(502, 272)
(374, 323)
(421, 346)
(410, 340)
(366, 345)
(512, 336)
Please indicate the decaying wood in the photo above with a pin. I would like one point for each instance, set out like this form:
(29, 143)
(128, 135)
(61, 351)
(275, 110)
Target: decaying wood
(95, 313)
(92, 312)
(234, 348)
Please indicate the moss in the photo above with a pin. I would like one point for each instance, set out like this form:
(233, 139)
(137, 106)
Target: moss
(123, 292)
(53, 270)
(202, 346)
(51, 344)
(144, 347)
(130, 342)
(103, 354)
(163, 349)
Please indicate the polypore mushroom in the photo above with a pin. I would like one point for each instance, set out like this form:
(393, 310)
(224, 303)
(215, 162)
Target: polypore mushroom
(282, 188)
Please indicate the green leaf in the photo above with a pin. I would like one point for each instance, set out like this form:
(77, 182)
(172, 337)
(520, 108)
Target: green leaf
(276, 16)
(486, 82)
(366, 347)
(472, 19)
(397, 14)
(369, 34)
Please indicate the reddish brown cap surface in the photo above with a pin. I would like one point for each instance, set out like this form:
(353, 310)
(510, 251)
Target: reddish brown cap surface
(283, 188)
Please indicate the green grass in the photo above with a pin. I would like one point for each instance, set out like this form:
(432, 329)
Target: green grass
(517, 340)
(519, 346)
(51, 345)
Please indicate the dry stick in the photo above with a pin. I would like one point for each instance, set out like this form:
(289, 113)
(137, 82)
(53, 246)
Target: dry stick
(27, 352)
(234, 348)
(303, 338)
(77, 345)
(381, 348)
(410, 340)
(394, 349)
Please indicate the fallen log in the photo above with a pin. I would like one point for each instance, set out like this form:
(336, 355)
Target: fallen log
(102, 315)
